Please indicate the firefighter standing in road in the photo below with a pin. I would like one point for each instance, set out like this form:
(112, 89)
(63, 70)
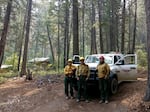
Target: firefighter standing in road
(82, 74)
(103, 75)
(69, 72)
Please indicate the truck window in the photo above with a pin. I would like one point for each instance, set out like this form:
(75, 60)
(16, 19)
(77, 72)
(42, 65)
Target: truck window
(76, 60)
(129, 60)
(91, 59)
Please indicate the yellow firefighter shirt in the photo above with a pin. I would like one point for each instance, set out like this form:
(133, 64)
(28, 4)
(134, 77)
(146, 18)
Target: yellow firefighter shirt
(69, 69)
(83, 69)
(103, 70)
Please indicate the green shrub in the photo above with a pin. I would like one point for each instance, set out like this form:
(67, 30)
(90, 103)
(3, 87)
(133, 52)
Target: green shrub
(2, 80)
(12, 60)
(142, 58)
(41, 66)
(9, 74)
(5, 75)
(43, 73)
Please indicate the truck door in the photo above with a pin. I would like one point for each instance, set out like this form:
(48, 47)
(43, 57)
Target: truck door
(127, 68)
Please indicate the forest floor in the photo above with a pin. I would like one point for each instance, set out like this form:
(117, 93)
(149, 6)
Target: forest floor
(42, 95)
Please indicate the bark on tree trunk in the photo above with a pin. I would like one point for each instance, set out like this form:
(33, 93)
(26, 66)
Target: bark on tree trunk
(36, 44)
(100, 26)
(75, 28)
(29, 75)
(129, 43)
(69, 39)
(112, 27)
(117, 33)
(58, 38)
(24, 63)
(5, 30)
(50, 43)
(66, 33)
(93, 31)
(83, 38)
(123, 27)
(0, 13)
(147, 8)
(1, 58)
(21, 39)
(134, 32)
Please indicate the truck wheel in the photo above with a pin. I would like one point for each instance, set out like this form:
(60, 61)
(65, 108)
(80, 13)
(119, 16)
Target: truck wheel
(114, 86)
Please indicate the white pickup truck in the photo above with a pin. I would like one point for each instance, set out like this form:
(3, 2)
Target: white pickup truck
(123, 68)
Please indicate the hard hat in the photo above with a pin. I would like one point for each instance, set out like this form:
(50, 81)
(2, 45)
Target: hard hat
(69, 60)
(81, 58)
(102, 57)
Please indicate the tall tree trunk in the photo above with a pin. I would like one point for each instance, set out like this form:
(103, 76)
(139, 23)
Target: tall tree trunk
(24, 63)
(93, 31)
(147, 8)
(108, 31)
(66, 33)
(107, 40)
(5, 30)
(1, 58)
(50, 43)
(69, 38)
(21, 39)
(75, 28)
(0, 15)
(36, 44)
(42, 51)
(14, 54)
(116, 25)
(68, 43)
(134, 31)
(117, 32)
(58, 38)
(112, 26)
(83, 38)
(129, 43)
(123, 27)
(100, 26)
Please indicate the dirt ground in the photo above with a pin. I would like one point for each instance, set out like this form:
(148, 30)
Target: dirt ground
(42, 95)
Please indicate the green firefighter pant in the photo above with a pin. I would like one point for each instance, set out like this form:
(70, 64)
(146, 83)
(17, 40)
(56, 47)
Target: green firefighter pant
(82, 84)
(68, 82)
(103, 87)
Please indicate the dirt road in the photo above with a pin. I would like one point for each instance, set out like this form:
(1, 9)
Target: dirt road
(59, 104)
(16, 95)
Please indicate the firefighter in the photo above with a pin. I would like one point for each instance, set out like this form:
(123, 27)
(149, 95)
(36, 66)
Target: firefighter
(103, 75)
(82, 74)
(69, 72)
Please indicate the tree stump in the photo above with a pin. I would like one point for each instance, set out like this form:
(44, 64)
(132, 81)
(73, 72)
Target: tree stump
(29, 75)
